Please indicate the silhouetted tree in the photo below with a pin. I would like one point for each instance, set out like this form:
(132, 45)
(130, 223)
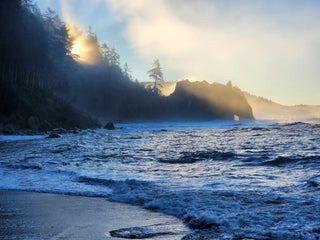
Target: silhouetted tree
(113, 57)
(60, 42)
(105, 54)
(156, 74)
(126, 71)
(91, 36)
(92, 46)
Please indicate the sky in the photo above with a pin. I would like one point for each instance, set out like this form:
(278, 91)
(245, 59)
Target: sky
(269, 48)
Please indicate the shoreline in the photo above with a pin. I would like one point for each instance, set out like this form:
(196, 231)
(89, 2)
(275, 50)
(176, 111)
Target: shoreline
(33, 215)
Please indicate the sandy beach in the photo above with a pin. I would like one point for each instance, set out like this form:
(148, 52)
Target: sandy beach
(31, 215)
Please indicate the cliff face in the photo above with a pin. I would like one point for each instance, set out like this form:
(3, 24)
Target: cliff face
(209, 101)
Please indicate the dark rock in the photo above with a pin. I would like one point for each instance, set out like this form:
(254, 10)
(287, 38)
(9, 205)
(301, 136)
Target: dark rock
(163, 130)
(109, 126)
(59, 131)
(53, 135)
(139, 232)
(200, 223)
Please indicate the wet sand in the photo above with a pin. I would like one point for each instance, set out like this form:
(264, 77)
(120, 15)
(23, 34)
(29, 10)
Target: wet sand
(30, 215)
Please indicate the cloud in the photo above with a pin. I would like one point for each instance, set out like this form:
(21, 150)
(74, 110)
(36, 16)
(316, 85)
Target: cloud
(255, 45)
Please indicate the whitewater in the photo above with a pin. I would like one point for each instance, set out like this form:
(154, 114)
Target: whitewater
(239, 179)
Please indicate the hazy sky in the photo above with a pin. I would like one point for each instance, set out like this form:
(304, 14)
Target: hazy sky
(270, 48)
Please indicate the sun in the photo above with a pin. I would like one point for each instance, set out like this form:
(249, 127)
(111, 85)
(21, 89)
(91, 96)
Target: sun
(75, 48)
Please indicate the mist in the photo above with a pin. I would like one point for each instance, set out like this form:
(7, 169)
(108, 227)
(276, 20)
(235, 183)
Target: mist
(73, 66)
(264, 109)
(45, 58)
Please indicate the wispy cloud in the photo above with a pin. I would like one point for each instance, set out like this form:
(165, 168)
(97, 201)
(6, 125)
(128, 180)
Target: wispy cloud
(256, 45)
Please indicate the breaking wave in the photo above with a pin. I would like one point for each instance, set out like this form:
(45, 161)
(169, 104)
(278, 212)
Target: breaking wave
(191, 157)
(279, 161)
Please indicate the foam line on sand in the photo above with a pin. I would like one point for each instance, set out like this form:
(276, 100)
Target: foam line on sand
(31, 215)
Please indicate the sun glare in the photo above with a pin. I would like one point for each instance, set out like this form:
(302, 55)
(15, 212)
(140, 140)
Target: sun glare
(75, 49)
(82, 51)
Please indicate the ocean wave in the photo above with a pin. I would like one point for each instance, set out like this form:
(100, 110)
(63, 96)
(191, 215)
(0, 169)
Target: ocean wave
(250, 214)
(240, 213)
(279, 161)
(21, 166)
(313, 183)
(130, 183)
(154, 197)
(191, 157)
(295, 124)
(95, 181)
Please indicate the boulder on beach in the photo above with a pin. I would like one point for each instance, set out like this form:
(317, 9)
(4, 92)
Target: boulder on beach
(109, 126)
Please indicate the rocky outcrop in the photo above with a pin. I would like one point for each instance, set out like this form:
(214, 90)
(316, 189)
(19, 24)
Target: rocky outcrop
(202, 100)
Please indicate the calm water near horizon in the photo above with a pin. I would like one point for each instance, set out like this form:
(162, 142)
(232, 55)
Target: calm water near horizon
(257, 179)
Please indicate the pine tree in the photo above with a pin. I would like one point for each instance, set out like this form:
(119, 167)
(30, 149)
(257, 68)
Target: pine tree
(156, 73)
(114, 57)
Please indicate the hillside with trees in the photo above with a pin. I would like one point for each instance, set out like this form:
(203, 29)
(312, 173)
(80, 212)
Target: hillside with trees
(25, 98)
(45, 83)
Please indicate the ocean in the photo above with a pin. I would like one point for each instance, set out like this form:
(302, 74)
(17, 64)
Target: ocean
(238, 179)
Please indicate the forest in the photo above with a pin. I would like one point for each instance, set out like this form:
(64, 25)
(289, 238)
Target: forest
(44, 84)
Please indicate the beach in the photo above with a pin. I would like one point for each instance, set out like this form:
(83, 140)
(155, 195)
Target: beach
(32, 215)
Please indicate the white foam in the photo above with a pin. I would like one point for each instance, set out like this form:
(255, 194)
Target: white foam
(20, 137)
